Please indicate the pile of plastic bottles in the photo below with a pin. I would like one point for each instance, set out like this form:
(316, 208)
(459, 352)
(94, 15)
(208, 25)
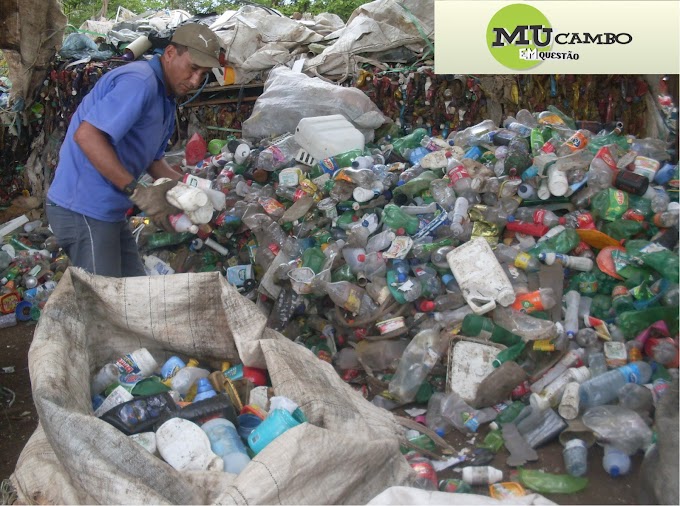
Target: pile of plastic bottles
(31, 265)
(373, 259)
(193, 419)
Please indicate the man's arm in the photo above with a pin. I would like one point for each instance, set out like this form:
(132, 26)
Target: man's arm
(99, 151)
(161, 168)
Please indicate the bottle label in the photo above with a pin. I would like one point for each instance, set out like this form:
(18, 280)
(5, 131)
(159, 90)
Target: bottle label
(576, 141)
(539, 216)
(631, 373)
(271, 206)
(606, 156)
(458, 173)
(528, 302)
(277, 154)
(329, 166)
(522, 260)
(471, 422)
(127, 365)
(353, 302)
(430, 358)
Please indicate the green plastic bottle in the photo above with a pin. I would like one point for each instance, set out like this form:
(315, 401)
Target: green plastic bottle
(337, 162)
(162, 239)
(610, 204)
(395, 218)
(509, 354)
(343, 273)
(493, 441)
(314, 259)
(510, 413)
(480, 326)
(417, 184)
(567, 120)
(402, 145)
(563, 242)
(622, 229)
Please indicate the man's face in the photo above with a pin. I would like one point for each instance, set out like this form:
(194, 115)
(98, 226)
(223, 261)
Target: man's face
(181, 73)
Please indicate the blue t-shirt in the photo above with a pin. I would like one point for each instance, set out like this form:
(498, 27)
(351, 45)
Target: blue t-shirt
(131, 106)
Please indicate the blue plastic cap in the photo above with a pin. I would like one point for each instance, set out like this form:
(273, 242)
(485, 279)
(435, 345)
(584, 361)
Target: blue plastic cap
(511, 218)
(401, 183)
(203, 386)
(446, 278)
(365, 223)
(401, 277)
(440, 432)
(614, 471)
(542, 256)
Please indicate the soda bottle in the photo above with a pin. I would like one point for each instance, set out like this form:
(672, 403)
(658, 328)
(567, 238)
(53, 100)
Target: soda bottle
(485, 328)
(396, 219)
(540, 216)
(278, 154)
(539, 300)
(405, 144)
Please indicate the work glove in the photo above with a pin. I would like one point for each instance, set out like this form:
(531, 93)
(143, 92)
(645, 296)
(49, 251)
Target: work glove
(152, 200)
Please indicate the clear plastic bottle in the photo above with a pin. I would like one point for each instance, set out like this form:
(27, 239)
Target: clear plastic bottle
(443, 193)
(420, 357)
(604, 388)
(615, 462)
(575, 456)
(186, 377)
(344, 294)
(597, 364)
(572, 299)
(278, 155)
(542, 216)
(380, 241)
(538, 300)
(517, 257)
(568, 360)
(636, 397)
(460, 210)
(524, 325)
(381, 355)
(225, 442)
(106, 376)
(473, 133)
(582, 264)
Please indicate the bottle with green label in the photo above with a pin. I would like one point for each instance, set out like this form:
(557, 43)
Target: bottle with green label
(395, 218)
(480, 326)
(403, 145)
(508, 354)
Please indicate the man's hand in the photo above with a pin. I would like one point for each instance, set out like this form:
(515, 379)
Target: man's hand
(151, 200)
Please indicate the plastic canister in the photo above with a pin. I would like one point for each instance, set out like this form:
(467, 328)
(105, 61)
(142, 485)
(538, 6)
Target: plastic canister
(187, 198)
(481, 278)
(575, 456)
(326, 136)
(171, 366)
(186, 447)
(570, 403)
(247, 423)
(225, 442)
(278, 422)
(138, 362)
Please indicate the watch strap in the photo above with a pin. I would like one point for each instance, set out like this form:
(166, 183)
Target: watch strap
(129, 188)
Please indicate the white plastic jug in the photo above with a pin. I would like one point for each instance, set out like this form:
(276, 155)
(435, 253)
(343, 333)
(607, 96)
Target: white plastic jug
(326, 136)
(185, 446)
(480, 277)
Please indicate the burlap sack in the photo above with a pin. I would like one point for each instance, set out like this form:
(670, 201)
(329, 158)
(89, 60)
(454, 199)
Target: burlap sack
(348, 453)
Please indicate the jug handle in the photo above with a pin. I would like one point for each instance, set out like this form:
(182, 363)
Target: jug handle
(480, 309)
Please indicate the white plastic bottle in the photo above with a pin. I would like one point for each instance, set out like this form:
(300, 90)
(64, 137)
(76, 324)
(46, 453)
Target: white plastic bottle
(138, 362)
(181, 223)
(156, 267)
(186, 377)
(105, 377)
(481, 475)
(615, 462)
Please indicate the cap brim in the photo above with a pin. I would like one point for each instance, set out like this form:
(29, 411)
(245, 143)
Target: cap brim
(203, 59)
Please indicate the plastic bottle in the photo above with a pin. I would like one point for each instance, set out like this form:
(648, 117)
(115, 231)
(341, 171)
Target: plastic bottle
(344, 294)
(524, 325)
(443, 193)
(604, 388)
(597, 364)
(540, 216)
(204, 390)
(186, 377)
(403, 145)
(539, 300)
(572, 299)
(571, 358)
(575, 456)
(615, 462)
(394, 218)
(419, 358)
(570, 404)
(381, 355)
(481, 475)
(278, 155)
(138, 362)
(636, 397)
(485, 328)
(156, 267)
(518, 258)
(460, 210)
(225, 442)
(106, 376)
(577, 263)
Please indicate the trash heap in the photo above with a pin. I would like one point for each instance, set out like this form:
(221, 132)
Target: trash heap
(542, 254)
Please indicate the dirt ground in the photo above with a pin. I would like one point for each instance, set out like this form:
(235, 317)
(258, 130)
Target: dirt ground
(19, 421)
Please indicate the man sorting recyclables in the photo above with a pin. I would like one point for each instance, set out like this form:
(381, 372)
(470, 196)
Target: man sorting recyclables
(119, 131)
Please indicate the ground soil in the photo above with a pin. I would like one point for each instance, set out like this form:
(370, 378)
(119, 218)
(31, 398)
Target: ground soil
(18, 422)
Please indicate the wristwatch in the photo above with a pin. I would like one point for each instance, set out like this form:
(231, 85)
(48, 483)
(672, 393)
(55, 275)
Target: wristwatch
(129, 188)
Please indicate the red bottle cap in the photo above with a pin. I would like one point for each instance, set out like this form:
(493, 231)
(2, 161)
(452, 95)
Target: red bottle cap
(257, 376)
(401, 231)
(361, 258)
(427, 306)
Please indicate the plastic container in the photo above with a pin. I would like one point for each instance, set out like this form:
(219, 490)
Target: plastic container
(575, 456)
(106, 376)
(326, 136)
(278, 422)
(469, 363)
(247, 423)
(204, 390)
(138, 362)
(480, 277)
(187, 198)
(186, 447)
(570, 403)
(604, 388)
(171, 367)
(615, 462)
(186, 377)
(481, 475)
(226, 442)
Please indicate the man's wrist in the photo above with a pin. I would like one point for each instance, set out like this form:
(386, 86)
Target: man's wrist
(129, 188)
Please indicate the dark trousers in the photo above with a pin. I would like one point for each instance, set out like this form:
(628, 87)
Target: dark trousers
(99, 247)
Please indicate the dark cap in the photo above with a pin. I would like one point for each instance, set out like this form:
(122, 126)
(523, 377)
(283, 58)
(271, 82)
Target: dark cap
(203, 44)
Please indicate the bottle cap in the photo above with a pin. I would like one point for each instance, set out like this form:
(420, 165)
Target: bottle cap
(614, 471)
(572, 443)
(401, 277)
(361, 258)
(562, 220)
(539, 402)
(580, 374)
(511, 218)
(427, 306)
(446, 278)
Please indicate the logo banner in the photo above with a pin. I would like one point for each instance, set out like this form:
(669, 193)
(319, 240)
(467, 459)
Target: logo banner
(547, 37)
